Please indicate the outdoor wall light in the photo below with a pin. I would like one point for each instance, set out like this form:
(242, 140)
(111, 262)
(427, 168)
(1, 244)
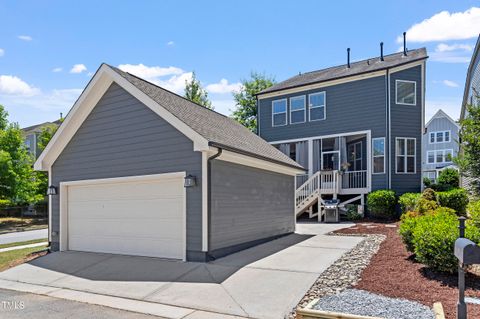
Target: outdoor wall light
(52, 190)
(190, 181)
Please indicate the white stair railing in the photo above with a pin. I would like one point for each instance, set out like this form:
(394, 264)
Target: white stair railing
(307, 189)
(329, 181)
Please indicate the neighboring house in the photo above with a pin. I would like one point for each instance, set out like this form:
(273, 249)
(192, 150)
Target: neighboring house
(356, 127)
(31, 134)
(440, 144)
(140, 170)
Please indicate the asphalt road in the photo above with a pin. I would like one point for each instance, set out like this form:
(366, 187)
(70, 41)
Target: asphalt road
(14, 304)
(23, 236)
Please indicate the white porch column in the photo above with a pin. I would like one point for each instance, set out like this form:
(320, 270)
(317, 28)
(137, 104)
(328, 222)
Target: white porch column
(369, 160)
(310, 157)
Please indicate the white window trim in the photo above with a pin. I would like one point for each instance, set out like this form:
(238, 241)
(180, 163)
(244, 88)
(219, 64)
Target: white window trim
(406, 156)
(434, 157)
(310, 107)
(373, 156)
(443, 134)
(286, 110)
(304, 108)
(415, 91)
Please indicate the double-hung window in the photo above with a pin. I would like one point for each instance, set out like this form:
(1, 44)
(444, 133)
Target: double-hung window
(405, 155)
(279, 112)
(297, 109)
(439, 137)
(317, 106)
(440, 156)
(378, 153)
(406, 92)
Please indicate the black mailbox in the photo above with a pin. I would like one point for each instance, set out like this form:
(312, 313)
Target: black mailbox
(467, 251)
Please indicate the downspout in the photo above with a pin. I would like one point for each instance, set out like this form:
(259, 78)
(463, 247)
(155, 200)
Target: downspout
(209, 196)
(389, 175)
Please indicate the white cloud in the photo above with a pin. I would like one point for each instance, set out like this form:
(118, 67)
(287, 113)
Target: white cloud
(450, 83)
(449, 57)
(2, 52)
(25, 37)
(170, 78)
(12, 85)
(78, 68)
(58, 100)
(442, 47)
(224, 106)
(445, 26)
(223, 87)
(170, 43)
(57, 70)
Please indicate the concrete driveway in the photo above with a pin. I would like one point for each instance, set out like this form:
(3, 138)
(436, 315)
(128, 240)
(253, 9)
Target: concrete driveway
(265, 281)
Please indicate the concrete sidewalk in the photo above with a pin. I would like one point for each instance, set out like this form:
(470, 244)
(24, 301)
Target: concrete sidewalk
(265, 281)
(23, 236)
(2, 250)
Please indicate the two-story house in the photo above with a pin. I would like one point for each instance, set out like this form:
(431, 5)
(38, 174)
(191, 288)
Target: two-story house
(356, 127)
(32, 133)
(440, 144)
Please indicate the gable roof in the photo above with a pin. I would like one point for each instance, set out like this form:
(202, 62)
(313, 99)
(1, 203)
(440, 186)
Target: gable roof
(203, 126)
(356, 68)
(441, 114)
(468, 80)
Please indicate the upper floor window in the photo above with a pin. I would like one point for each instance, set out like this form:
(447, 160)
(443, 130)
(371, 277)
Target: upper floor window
(439, 137)
(378, 145)
(405, 155)
(297, 109)
(279, 112)
(406, 92)
(27, 144)
(316, 105)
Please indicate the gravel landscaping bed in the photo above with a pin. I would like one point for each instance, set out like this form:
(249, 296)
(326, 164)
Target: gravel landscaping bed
(393, 272)
(363, 303)
(345, 272)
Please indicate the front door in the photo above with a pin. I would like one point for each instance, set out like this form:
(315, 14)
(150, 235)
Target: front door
(355, 156)
(331, 160)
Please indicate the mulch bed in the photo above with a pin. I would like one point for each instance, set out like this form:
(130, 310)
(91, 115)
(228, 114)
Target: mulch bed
(394, 273)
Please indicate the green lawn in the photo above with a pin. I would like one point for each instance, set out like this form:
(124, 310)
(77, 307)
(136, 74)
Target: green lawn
(15, 257)
(21, 243)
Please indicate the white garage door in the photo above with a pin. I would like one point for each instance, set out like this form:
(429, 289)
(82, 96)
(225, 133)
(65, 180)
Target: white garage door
(140, 217)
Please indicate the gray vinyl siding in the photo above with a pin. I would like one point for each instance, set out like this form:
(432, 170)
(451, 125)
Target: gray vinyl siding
(406, 121)
(248, 204)
(436, 125)
(123, 137)
(353, 106)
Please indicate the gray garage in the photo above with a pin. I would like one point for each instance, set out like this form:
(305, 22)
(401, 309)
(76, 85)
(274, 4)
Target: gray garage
(138, 170)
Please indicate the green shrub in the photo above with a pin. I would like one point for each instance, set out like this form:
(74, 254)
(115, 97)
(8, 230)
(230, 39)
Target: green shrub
(473, 210)
(448, 178)
(407, 225)
(427, 182)
(434, 237)
(429, 194)
(352, 212)
(408, 201)
(425, 206)
(4, 203)
(381, 203)
(456, 199)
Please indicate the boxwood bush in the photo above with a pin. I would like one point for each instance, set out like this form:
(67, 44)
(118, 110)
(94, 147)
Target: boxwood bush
(456, 199)
(473, 210)
(408, 201)
(407, 225)
(381, 203)
(434, 236)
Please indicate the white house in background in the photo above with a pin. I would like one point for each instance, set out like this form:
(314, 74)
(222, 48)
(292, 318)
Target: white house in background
(440, 144)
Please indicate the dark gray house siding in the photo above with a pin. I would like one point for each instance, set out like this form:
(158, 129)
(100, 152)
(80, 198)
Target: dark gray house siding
(248, 204)
(123, 137)
(407, 121)
(352, 106)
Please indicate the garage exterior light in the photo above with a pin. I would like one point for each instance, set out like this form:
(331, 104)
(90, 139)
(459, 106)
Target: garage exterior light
(52, 190)
(190, 181)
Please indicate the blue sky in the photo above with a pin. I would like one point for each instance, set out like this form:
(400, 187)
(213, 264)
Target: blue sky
(49, 49)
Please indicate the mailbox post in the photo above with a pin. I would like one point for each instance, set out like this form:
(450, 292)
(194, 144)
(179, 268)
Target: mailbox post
(467, 253)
